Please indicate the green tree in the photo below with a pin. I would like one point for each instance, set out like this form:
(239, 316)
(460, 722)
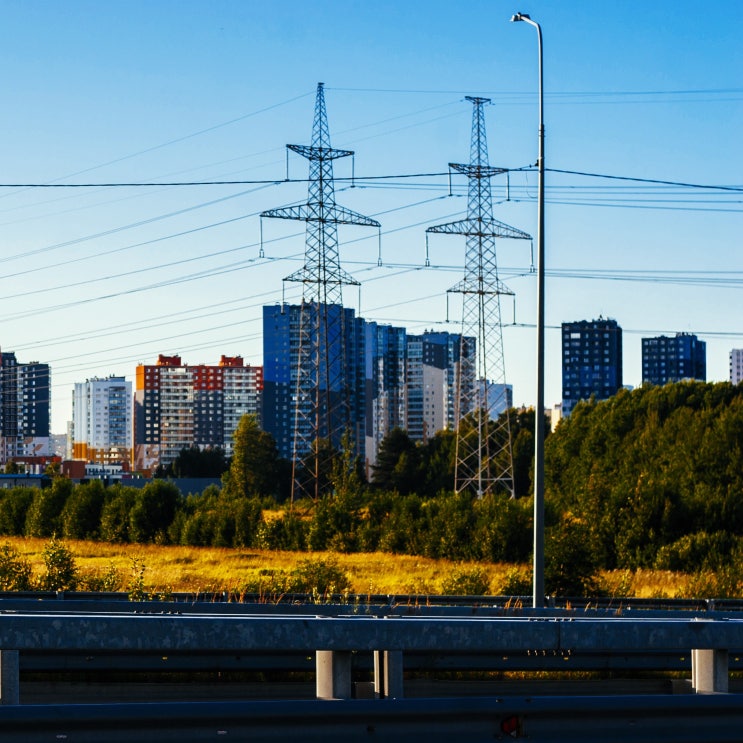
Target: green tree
(437, 464)
(14, 505)
(81, 514)
(119, 502)
(43, 516)
(194, 461)
(254, 465)
(153, 511)
(397, 464)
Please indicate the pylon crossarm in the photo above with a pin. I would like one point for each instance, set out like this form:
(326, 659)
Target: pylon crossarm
(299, 212)
(492, 288)
(341, 215)
(479, 228)
(318, 153)
(477, 171)
(307, 276)
(331, 213)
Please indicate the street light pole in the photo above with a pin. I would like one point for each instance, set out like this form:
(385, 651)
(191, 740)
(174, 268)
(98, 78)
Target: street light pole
(538, 585)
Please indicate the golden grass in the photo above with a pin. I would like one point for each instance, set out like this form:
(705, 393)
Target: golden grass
(190, 569)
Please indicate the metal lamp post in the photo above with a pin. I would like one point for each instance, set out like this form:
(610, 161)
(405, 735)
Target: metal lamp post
(538, 585)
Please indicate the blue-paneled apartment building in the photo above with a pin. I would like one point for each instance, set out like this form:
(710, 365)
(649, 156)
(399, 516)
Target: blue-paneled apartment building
(592, 360)
(395, 379)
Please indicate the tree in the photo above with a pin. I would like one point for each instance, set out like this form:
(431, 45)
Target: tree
(397, 465)
(115, 514)
(194, 461)
(81, 515)
(43, 518)
(254, 466)
(153, 512)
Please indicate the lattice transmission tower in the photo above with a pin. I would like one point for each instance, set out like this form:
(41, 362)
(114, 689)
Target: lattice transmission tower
(323, 397)
(484, 460)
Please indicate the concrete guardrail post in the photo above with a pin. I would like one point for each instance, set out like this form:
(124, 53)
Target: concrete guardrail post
(709, 671)
(388, 682)
(333, 674)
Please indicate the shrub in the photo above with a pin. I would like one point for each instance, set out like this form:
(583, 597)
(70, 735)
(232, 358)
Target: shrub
(60, 570)
(102, 580)
(518, 582)
(136, 586)
(724, 583)
(694, 552)
(571, 563)
(318, 577)
(466, 582)
(15, 571)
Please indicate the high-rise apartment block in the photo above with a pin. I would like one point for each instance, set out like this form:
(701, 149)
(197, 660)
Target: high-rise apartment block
(736, 365)
(389, 379)
(672, 359)
(24, 409)
(440, 366)
(342, 386)
(177, 406)
(386, 388)
(102, 420)
(591, 361)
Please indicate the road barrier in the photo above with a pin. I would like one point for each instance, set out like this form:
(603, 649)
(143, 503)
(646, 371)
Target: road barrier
(333, 639)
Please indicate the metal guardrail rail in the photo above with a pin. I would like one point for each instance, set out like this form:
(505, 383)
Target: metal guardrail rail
(711, 718)
(389, 641)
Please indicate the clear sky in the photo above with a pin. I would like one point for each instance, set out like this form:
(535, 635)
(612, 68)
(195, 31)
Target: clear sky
(95, 280)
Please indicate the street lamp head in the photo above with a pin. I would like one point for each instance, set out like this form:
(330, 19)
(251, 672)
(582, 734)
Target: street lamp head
(520, 17)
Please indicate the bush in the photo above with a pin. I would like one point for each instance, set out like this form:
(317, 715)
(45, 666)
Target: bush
(60, 570)
(102, 580)
(318, 577)
(571, 563)
(518, 582)
(466, 582)
(15, 571)
(286, 533)
(695, 552)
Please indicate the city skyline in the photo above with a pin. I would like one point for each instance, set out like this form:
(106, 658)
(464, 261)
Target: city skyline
(94, 281)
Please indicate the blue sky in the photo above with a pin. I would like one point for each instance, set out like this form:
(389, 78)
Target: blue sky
(96, 280)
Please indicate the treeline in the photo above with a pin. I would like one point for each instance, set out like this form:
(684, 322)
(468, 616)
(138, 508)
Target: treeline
(650, 479)
(455, 527)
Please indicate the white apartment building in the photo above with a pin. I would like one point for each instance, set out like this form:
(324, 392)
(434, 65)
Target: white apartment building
(102, 420)
(736, 365)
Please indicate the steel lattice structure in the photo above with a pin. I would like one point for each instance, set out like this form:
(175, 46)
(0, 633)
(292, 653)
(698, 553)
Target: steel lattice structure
(321, 403)
(484, 460)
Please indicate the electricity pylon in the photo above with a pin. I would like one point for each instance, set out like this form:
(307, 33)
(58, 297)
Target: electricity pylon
(323, 389)
(484, 458)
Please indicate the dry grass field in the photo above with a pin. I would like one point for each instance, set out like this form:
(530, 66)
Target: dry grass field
(165, 569)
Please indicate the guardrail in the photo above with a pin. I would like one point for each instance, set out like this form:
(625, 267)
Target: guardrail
(333, 640)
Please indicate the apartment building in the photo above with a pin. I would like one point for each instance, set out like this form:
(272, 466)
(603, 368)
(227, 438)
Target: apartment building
(177, 406)
(102, 420)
